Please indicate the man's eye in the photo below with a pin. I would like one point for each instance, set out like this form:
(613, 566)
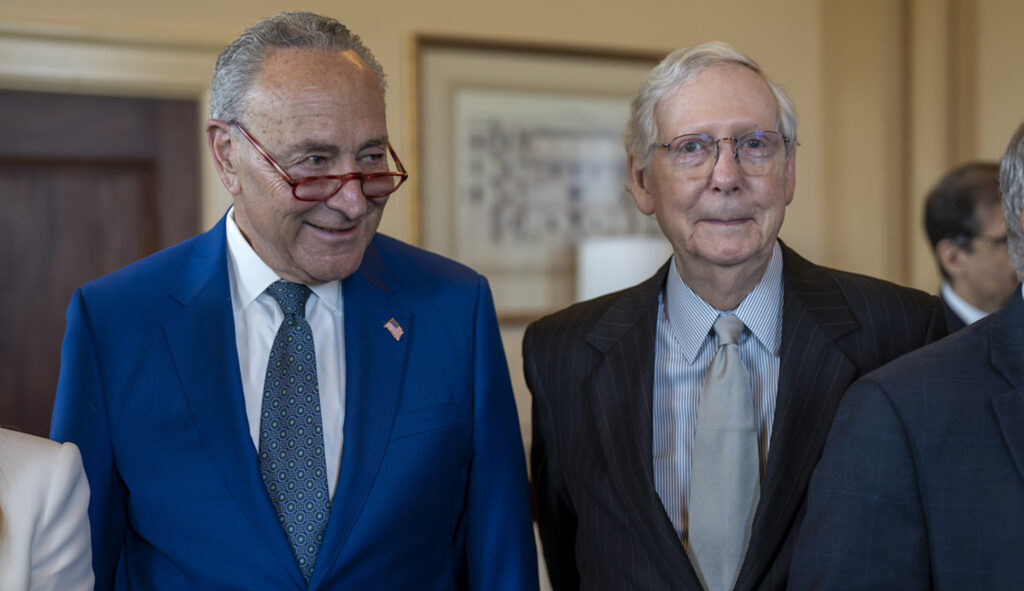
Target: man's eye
(690, 147)
(755, 143)
(372, 159)
(315, 160)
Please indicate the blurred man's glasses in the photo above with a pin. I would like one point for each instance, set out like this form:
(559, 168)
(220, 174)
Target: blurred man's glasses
(758, 152)
(997, 241)
(318, 188)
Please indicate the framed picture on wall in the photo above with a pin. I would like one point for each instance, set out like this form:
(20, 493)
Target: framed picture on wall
(520, 158)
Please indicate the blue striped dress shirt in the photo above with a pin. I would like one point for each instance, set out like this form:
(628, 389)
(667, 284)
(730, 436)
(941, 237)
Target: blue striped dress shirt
(683, 352)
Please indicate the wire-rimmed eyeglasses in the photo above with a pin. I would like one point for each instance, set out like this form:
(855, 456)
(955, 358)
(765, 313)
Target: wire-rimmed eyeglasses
(758, 152)
(319, 188)
(996, 241)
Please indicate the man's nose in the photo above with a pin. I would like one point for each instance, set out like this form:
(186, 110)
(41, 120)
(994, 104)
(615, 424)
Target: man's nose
(726, 173)
(349, 199)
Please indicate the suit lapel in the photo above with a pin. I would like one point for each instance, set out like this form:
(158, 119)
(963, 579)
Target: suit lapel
(1006, 351)
(620, 392)
(374, 366)
(814, 372)
(213, 387)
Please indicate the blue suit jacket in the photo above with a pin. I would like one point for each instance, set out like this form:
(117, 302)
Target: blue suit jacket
(921, 485)
(432, 490)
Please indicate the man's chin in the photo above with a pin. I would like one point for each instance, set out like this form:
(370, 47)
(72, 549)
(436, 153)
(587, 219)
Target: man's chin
(336, 269)
(728, 256)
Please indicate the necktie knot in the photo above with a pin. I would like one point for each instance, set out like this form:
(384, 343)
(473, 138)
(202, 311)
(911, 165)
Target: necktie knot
(290, 296)
(728, 329)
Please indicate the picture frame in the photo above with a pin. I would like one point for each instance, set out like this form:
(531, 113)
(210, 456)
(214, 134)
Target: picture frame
(519, 156)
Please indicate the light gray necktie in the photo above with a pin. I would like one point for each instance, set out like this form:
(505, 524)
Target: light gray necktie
(725, 472)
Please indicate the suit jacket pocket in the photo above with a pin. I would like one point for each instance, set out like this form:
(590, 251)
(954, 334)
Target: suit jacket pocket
(422, 420)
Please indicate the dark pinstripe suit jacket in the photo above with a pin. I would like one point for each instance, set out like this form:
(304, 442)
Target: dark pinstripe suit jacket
(921, 485)
(590, 368)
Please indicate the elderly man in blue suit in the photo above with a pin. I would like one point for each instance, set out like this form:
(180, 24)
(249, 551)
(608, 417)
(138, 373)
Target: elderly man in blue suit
(921, 485)
(290, 400)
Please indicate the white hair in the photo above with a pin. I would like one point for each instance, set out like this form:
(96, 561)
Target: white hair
(1011, 183)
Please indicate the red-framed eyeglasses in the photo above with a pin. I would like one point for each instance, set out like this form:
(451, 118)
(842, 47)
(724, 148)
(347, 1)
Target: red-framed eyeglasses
(318, 188)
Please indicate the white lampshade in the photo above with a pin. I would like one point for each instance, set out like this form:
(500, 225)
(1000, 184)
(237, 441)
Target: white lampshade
(609, 263)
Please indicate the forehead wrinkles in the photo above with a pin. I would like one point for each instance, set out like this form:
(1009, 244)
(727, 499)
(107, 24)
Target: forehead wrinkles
(311, 119)
(316, 100)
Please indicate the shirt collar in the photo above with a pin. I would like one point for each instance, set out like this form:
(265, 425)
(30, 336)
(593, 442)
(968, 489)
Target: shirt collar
(968, 313)
(250, 276)
(691, 318)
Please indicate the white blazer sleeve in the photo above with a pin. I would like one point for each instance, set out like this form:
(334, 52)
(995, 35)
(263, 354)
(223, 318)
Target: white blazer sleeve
(61, 551)
(45, 545)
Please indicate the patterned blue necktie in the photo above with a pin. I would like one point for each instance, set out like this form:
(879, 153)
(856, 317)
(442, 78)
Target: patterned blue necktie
(291, 459)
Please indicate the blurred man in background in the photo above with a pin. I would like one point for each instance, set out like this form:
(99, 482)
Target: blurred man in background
(963, 217)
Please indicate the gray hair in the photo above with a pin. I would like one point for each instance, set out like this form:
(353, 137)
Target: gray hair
(240, 62)
(1011, 183)
(680, 67)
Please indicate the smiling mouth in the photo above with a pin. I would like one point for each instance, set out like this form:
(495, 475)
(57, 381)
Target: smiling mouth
(332, 230)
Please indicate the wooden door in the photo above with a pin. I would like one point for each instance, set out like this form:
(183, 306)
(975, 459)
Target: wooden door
(87, 185)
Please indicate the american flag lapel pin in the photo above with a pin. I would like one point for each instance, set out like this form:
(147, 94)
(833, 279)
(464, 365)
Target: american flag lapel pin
(394, 328)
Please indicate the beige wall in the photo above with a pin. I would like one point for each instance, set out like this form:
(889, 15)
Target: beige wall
(999, 92)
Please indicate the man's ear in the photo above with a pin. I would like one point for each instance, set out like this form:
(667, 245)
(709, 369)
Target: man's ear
(950, 256)
(225, 155)
(638, 187)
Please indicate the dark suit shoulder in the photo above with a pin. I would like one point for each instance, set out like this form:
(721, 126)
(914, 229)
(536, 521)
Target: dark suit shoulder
(861, 292)
(872, 290)
(905, 309)
(942, 367)
(990, 350)
(872, 321)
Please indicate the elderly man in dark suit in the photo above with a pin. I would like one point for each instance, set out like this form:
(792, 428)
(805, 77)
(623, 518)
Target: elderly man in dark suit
(666, 456)
(921, 485)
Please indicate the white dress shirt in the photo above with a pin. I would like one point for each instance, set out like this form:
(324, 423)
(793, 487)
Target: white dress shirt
(44, 494)
(968, 313)
(258, 316)
(685, 346)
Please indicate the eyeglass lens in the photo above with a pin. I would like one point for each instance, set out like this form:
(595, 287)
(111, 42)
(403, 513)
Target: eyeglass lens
(373, 185)
(377, 185)
(759, 152)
